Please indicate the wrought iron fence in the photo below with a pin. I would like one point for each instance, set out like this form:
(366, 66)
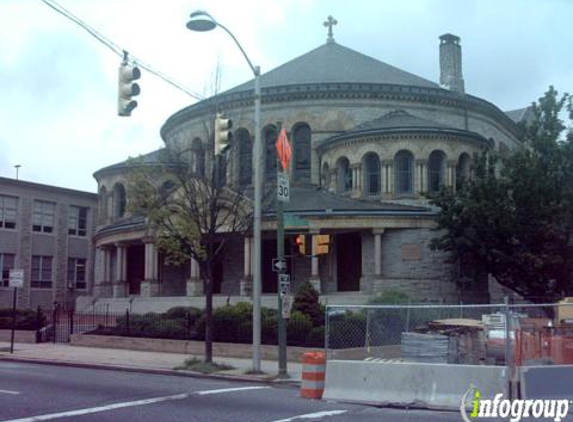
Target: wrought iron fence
(230, 324)
(501, 334)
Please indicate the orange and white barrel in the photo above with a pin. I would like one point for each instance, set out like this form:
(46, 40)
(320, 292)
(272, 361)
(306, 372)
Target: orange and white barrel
(313, 370)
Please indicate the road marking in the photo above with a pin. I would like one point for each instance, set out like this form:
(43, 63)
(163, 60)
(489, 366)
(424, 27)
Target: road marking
(114, 406)
(314, 415)
(9, 392)
(99, 409)
(228, 390)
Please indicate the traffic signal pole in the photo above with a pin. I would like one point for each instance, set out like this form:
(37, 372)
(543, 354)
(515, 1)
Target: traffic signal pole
(280, 293)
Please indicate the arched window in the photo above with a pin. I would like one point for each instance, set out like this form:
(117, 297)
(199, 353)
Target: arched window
(436, 167)
(463, 169)
(102, 204)
(301, 141)
(198, 158)
(270, 137)
(403, 170)
(371, 171)
(119, 200)
(325, 176)
(245, 156)
(344, 182)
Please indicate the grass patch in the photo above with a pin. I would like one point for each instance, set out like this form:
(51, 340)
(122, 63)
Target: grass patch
(197, 365)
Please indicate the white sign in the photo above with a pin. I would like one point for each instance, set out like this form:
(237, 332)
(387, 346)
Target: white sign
(16, 278)
(284, 284)
(286, 304)
(283, 187)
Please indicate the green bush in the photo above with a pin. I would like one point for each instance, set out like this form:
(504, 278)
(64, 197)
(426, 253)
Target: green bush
(298, 327)
(26, 319)
(316, 337)
(231, 323)
(390, 297)
(306, 300)
(269, 326)
(183, 312)
(153, 325)
(347, 330)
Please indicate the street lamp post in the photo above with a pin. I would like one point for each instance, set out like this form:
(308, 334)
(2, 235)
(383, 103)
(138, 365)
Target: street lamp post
(202, 21)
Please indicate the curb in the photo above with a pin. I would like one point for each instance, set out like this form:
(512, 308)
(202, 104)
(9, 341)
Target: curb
(152, 371)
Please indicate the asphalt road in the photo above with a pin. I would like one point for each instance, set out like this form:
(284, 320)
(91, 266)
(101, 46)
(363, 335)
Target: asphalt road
(31, 393)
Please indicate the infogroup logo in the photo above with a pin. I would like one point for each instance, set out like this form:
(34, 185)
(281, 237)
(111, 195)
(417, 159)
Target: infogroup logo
(513, 410)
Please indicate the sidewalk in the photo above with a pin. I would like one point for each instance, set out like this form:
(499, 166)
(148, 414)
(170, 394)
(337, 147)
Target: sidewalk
(131, 360)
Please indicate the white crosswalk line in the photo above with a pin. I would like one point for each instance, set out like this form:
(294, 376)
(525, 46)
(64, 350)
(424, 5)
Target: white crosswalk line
(316, 415)
(229, 390)
(114, 406)
(9, 392)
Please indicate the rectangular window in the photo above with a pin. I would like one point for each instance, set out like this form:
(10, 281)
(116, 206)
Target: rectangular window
(77, 221)
(6, 264)
(8, 211)
(77, 273)
(41, 272)
(43, 219)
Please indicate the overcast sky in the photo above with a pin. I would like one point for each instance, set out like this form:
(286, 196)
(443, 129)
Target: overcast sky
(58, 84)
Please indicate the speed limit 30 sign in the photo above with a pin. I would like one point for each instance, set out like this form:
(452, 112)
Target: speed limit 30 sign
(283, 187)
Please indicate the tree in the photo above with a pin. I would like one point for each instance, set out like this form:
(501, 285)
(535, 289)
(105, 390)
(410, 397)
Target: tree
(190, 211)
(513, 220)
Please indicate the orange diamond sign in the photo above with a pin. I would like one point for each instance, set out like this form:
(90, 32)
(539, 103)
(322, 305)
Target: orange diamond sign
(283, 149)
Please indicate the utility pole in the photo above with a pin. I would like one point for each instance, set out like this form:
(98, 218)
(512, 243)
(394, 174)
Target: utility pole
(283, 278)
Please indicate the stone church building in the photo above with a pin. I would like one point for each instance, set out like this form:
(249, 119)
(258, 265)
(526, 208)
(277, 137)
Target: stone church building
(368, 141)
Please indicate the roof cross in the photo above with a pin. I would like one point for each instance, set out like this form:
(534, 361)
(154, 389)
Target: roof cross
(330, 22)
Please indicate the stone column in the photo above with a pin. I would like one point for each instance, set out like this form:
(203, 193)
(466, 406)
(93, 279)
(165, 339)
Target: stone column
(119, 285)
(107, 281)
(150, 284)
(194, 284)
(331, 181)
(246, 284)
(103, 278)
(388, 178)
(356, 182)
(314, 279)
(378, 252)
(451, 174)
(421, 177)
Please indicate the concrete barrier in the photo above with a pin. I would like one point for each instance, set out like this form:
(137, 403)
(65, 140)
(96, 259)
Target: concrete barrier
(428, 385)
(546, 382)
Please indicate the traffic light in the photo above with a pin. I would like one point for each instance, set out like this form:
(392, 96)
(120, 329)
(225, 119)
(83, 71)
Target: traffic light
(321, 243)
(222, 133)
(127, 88)
(300, 242)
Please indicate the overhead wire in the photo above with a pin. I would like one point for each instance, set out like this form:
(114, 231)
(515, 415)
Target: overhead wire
(120, 51)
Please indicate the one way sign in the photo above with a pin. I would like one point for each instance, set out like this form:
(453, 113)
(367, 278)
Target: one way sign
(279, 265)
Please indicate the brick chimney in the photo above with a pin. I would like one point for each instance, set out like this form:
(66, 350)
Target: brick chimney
(451, 63)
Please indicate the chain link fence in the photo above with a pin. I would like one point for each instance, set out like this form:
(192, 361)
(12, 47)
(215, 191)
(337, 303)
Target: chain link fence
(501, 334)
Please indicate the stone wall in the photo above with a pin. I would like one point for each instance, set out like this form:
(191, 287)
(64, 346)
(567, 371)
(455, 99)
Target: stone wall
(408, 264)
